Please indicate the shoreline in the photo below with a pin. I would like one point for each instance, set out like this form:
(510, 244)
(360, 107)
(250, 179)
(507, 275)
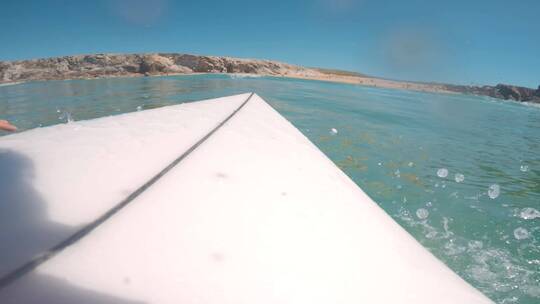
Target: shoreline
(380, 83)
(363, 81)
(100, 66)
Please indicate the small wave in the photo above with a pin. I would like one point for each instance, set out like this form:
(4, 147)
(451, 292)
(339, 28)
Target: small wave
(242, 76)
(10, 83)
(531, 104)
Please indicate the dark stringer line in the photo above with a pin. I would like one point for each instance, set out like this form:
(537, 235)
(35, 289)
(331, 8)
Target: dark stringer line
(32, 264)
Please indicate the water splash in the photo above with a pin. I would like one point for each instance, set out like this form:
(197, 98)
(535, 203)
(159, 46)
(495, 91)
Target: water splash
(66, 116)
(495, 271)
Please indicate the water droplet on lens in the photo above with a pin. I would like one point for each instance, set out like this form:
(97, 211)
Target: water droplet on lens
(494, 191)
(529, 213)
(422, 213)
(442, 173)
(521, 233)
(459, 177)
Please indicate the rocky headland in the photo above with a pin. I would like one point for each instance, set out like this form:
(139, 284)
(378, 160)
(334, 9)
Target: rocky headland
(132, 65)
(111, 65)
(502, 91)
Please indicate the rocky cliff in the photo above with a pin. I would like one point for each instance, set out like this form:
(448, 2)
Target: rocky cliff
(108, 65)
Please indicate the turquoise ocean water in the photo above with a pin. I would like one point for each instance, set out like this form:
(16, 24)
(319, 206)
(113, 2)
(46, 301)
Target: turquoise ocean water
(460, 173)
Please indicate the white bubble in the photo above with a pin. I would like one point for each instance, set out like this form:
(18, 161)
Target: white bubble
(411, 164)
(333, 131)
(139, 108)
(458, 177)
(422, 213)
(521, 233)
(380, 164)
(429, 204)
(494, 191)
(397, 173)
(524, 168)
(442, 173)
(529, 213)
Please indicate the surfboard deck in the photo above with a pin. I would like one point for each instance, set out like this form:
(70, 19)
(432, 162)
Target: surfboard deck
(255, 214)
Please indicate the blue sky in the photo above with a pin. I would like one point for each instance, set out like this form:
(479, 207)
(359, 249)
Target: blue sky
(479, 42)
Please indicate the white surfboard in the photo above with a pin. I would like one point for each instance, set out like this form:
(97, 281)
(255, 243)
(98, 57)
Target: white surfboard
(218, 201)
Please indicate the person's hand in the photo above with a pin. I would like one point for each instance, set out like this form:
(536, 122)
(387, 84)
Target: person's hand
(6, 126)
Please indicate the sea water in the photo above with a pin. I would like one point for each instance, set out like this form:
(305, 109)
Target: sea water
(460, 173)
